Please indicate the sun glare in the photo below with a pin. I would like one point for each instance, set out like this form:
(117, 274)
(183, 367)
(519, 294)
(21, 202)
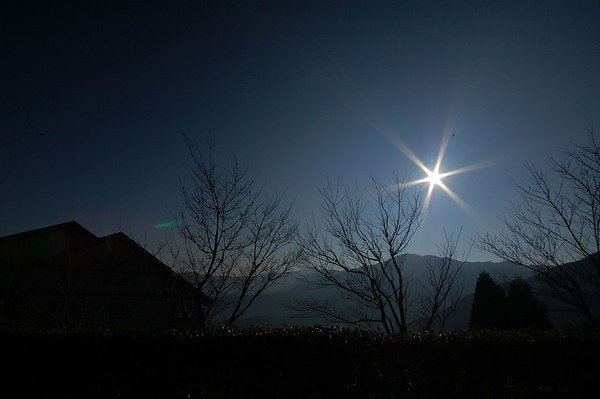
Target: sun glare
(434, 178)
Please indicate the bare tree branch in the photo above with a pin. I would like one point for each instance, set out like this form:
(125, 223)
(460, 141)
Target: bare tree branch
(554, 230)
(236, 239)
(359, 249)
(443, 287)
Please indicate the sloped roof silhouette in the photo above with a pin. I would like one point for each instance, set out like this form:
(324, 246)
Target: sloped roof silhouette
(55, 238)
(72, 242)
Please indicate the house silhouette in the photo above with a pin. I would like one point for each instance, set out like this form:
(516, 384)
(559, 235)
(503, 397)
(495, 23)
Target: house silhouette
(63, 276)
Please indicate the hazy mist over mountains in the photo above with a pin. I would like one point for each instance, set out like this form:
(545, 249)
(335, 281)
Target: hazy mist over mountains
(272, 307)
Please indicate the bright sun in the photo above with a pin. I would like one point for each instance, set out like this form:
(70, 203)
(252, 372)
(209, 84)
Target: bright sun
(434, 178)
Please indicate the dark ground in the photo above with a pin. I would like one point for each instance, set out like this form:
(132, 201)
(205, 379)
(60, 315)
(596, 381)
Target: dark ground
(311, 362)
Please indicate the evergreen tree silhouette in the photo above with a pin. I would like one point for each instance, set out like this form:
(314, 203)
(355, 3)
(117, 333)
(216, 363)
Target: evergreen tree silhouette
(524, 310)
(493, 308)
(490, 305)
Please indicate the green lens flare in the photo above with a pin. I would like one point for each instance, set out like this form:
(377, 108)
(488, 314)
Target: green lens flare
(170, 223)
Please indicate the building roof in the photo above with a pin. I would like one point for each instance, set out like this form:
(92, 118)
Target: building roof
(71, 226)
(73, 243)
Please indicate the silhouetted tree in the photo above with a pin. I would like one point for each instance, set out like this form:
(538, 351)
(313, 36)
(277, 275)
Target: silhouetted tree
(554, 230)
(490, 305)
(495, 308)
(524, 311)
(236, 239)
(443, 286)
(359, 252)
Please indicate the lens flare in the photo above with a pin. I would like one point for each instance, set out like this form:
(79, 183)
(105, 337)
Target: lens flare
(434, 177)
(170, 223)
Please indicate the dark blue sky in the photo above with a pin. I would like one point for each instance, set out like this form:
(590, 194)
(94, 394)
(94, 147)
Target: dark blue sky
(299, 92)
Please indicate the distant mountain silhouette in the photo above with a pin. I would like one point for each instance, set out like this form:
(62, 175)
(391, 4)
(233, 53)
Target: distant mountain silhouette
(582, 271)
(272, 308)
(460, 318)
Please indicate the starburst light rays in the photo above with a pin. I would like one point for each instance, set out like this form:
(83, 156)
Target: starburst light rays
(435, 178)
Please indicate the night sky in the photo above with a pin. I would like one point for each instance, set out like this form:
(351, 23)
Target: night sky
(96, 101)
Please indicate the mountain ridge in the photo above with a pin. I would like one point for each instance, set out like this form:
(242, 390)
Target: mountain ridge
(273, 306)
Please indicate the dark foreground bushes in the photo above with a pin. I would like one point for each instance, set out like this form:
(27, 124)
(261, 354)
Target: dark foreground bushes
(311, 362)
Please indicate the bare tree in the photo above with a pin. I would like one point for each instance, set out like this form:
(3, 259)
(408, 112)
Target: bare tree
(359, 253)
(236, 240)
(554, 230)
(443, 286)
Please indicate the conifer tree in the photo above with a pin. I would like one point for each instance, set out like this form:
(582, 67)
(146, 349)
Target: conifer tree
(524, 310)
(490, 305)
